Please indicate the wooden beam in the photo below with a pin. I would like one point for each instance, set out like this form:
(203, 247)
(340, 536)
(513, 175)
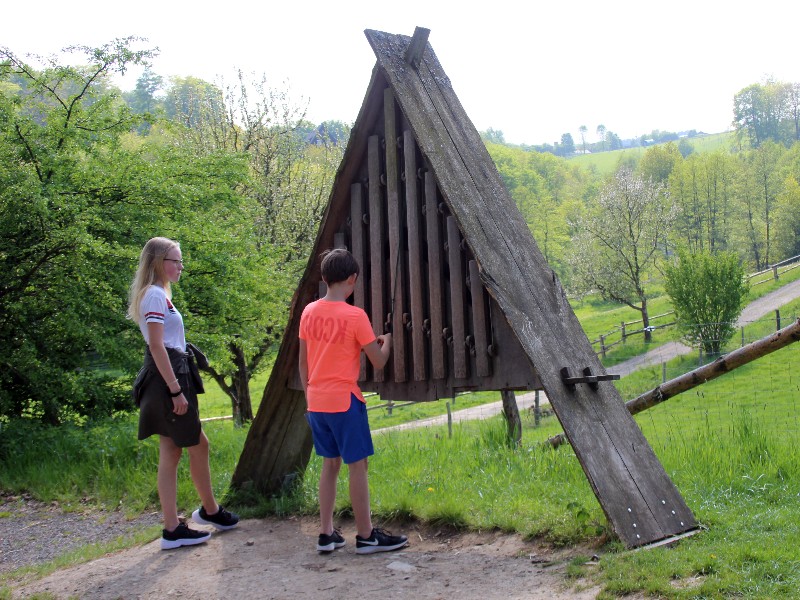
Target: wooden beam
(376, 239)
(435, 278)
(479, 329)
(416, 47)
(357, 243)
(415, 285)
(457, 324)
(396, 287)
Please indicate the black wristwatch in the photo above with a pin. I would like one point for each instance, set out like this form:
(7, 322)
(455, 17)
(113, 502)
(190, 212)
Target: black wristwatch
(176, 394)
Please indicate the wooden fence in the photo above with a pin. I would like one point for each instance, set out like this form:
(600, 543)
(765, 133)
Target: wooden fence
(603, 345)
(776, 270)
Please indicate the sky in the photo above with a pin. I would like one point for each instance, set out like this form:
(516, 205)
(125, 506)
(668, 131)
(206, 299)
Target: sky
(531, 69)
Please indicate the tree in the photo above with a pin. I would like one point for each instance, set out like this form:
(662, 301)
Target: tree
(621, 240)
(659, 161)
(708, 292)
(583, 129)
(291, 167)
(64, 224)
(601, 133)
(567, 146)
(758, 112)
(759, 186)
(493, 136)
(703, 188)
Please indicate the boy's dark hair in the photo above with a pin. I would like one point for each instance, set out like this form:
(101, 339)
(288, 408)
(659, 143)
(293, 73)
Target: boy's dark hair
(337, 265)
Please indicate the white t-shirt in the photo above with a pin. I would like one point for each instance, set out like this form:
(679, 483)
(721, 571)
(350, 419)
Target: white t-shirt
(157, 308)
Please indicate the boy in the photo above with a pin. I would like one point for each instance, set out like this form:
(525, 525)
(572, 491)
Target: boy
(332, 335)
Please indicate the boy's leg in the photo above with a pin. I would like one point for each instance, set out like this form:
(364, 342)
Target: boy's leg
(359, 497)
(327, 493)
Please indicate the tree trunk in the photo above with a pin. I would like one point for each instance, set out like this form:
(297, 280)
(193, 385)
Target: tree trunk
(240, 401)
(511, 415)
(724, 364)
(648, 335)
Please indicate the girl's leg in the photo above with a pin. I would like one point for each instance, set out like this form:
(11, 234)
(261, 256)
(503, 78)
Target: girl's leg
(327, 493)
(359, 497)
(201, 474)
(169, 455)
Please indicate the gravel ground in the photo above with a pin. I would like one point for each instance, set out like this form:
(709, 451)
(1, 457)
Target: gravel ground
(32, 532)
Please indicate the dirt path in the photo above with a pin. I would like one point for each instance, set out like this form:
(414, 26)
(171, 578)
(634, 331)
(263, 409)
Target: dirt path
(276, 559)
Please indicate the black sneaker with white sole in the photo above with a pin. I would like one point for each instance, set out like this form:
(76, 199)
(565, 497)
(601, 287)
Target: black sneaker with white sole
(379, 541)
(222, 519)
(329, 543)
(182, 535)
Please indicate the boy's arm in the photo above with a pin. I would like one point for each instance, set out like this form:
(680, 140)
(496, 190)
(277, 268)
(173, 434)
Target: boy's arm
(303, 365)
(378, 350)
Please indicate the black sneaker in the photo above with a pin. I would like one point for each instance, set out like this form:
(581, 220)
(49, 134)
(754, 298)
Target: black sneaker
(182, 536)
(329, 543)
(222, 519)
(379, 541)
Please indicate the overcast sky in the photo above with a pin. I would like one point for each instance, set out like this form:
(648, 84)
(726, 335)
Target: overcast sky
(532, 72)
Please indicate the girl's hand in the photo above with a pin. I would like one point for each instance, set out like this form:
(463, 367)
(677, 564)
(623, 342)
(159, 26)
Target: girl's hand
(180, 405)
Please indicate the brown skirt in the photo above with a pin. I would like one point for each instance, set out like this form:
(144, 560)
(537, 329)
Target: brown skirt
(155, 404)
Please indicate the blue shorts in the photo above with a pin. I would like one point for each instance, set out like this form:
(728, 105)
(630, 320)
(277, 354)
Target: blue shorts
(344, 434)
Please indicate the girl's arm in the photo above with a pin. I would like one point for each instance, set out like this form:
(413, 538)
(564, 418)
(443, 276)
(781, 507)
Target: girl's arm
(155, 331)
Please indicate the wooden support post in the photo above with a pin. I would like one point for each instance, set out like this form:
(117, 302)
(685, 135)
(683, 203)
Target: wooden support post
(622, 326)
(511, 416)
(459, 347)
(376, 239)
(415, 285)
(435, 278)
(396, 286)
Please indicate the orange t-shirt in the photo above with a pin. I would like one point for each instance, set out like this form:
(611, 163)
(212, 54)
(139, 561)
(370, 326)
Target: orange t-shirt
(334, 333)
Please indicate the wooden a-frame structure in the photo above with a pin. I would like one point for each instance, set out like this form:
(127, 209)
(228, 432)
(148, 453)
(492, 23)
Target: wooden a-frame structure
(448, 263)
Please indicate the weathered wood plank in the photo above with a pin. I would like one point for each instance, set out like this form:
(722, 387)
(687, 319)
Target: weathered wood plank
(357, 243)
(376, 240)
(515, 273)
(479, 331)
(457, 312)
(415, 285)
(396, 287)
(435, 278)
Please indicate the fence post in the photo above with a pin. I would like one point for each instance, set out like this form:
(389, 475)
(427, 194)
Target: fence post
(622, 325)
(778, 319)
(663, 372)
(449, 421)
(389, 404)
(537, 411)
(603, 345)
(775, 271)
(742, 336)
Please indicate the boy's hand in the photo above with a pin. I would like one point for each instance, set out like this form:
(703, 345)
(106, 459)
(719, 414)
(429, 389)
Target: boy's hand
(386, 338)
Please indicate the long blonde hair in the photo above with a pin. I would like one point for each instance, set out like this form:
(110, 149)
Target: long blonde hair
(150, 272)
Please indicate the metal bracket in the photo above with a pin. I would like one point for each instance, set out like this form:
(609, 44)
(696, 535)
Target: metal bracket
(588, 378)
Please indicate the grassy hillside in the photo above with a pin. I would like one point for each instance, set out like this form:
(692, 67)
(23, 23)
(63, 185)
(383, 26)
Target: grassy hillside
(607, 162)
